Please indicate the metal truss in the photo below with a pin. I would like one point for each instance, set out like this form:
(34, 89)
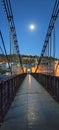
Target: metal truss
(51, 27)
(9, 14)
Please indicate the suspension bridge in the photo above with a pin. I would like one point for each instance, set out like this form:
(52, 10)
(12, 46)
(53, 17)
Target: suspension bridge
(29, 96)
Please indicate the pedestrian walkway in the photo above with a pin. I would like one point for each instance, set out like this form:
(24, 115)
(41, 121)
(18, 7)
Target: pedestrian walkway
(33, 109)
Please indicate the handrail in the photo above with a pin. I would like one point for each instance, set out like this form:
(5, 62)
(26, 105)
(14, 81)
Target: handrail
(8, 89)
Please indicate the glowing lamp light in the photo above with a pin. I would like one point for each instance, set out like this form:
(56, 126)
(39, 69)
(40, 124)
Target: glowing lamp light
(28, 70)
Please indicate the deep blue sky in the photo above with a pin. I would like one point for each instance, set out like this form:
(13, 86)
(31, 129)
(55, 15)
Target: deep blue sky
(26, 12)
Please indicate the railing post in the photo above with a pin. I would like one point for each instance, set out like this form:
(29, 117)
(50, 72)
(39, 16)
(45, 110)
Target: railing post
(1, 103)
(57, 82)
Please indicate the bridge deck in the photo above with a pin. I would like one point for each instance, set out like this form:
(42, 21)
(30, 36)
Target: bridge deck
(33, 108)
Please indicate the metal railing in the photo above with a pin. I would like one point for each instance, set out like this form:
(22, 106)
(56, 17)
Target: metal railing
(8, 89)
(50, 83)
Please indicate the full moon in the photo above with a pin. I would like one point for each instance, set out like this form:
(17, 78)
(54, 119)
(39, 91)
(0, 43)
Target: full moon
(32, 27)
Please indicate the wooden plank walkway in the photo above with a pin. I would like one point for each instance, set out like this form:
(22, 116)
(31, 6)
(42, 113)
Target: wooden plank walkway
(33, 109)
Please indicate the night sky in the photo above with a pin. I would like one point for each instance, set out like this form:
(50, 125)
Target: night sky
(26, 12)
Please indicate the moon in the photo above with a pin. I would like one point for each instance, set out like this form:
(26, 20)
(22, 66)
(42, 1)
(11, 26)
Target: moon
(32, 27)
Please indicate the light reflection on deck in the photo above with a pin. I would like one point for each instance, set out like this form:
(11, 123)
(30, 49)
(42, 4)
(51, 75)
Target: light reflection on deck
(29, 80)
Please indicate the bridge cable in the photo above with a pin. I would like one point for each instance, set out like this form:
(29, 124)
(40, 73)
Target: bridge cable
(49, 31)
(9, 14)
(5, 50)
